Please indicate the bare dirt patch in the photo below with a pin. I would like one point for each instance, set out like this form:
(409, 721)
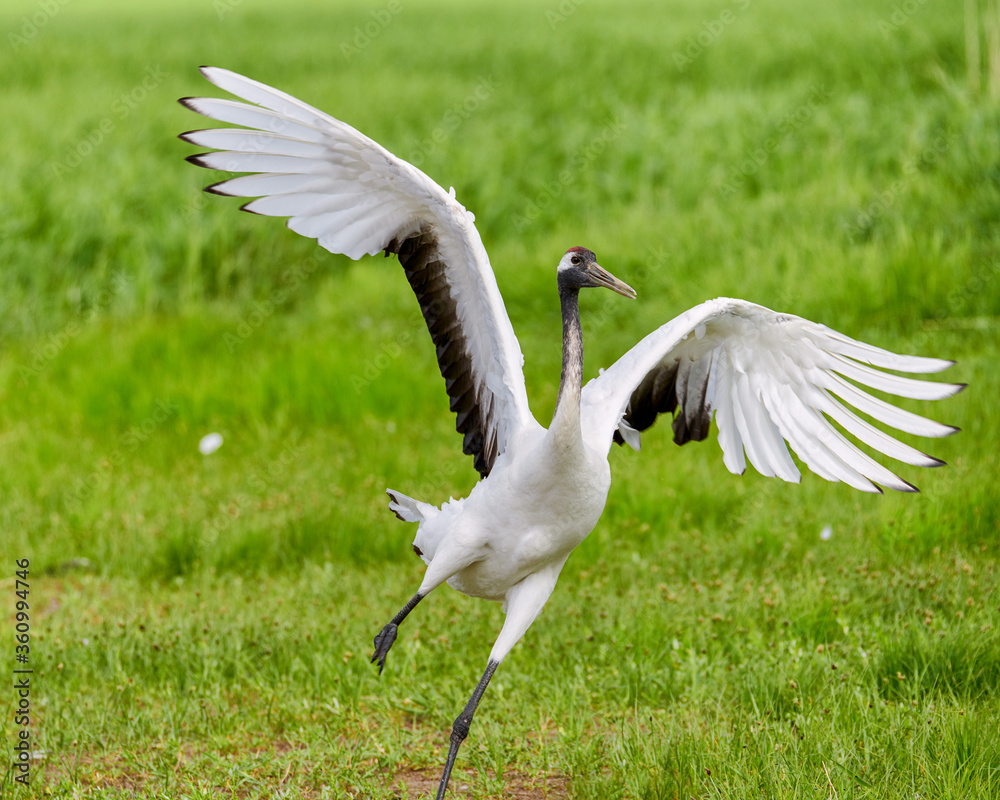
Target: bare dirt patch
(424, 783)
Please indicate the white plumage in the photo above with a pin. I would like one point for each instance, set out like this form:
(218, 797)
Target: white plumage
(767, 378)
(771, 377)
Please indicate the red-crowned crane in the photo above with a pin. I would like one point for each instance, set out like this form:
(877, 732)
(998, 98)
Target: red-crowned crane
(768, 378)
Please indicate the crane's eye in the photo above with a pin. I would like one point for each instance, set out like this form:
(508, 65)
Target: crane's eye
(575, 260)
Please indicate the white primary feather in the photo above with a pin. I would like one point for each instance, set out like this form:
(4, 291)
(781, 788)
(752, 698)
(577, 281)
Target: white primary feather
(354, 197)
(772, 380)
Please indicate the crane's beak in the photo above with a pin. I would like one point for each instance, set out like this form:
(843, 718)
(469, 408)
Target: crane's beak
(601, 277)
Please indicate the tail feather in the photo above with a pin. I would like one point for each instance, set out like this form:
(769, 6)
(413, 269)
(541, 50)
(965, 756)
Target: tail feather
(409, 510)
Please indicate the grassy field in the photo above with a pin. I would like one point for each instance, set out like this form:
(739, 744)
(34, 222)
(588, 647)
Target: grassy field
(200, 626)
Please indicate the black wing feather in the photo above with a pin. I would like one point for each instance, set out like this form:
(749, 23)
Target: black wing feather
(420, 259)
(671, 388)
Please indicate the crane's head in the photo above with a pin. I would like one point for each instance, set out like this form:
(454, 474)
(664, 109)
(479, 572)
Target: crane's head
(578, 269)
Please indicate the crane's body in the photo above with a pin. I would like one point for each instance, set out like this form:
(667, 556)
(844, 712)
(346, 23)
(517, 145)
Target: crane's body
(766, 378)
(529, 513)
(542, 497)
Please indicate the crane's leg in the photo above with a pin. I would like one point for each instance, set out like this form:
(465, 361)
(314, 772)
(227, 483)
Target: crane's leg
(523, 603)
(385, 639)
(451, 558)
(461, 727)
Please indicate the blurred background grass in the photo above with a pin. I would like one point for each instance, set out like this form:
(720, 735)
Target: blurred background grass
(832, 161)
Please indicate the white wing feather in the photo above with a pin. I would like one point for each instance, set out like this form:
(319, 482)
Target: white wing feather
(775, 378)
(354, 197)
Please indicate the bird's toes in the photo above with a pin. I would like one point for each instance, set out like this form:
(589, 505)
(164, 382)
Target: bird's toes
(383, 642)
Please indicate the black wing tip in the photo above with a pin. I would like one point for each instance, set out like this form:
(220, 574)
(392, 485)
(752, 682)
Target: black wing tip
(959, 387)
(186, 136)
(215, 188)
(196, 159)
(245, 207)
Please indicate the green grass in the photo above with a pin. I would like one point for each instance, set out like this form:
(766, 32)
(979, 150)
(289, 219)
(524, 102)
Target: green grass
(704, 641)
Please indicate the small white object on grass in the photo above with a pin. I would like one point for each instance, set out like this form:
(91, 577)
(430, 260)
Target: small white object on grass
(826, 534)
(210, 443)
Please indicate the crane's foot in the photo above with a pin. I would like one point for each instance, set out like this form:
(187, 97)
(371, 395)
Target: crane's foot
(383, 642)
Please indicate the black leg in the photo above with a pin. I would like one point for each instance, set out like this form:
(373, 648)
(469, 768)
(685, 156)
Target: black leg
(384, 640)
(461, 727)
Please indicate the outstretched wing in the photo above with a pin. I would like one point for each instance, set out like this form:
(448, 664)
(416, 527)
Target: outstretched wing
(354, 197)
(768, 378)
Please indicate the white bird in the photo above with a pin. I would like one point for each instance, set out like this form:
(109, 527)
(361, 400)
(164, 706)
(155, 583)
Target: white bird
(768, 378)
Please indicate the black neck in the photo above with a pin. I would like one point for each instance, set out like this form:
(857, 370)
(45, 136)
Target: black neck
(571, 382)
